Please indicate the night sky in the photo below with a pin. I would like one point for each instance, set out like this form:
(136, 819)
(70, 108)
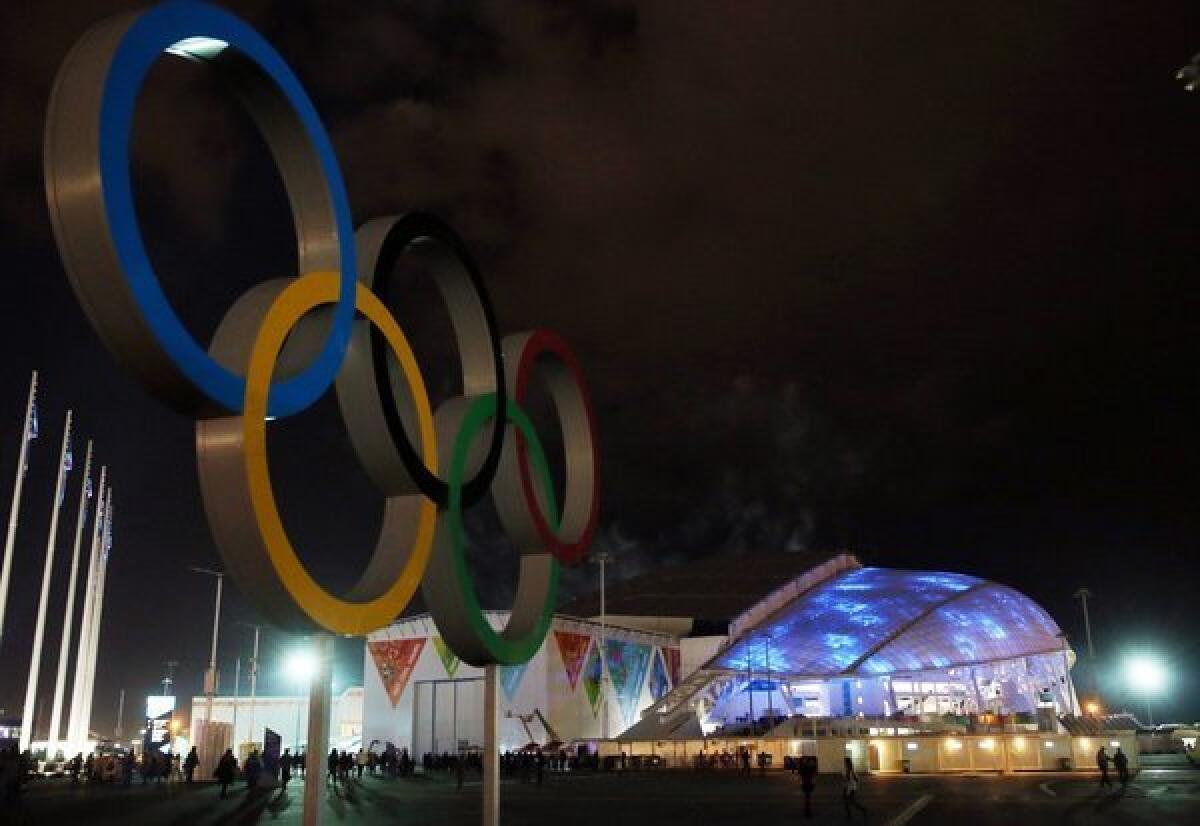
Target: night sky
(912, 281)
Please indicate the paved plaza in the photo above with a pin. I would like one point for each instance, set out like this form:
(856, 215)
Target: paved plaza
(1157, 796)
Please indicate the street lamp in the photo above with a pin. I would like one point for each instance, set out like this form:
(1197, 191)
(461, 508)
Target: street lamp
(301, 666)
(210, 678)
(1147, 676)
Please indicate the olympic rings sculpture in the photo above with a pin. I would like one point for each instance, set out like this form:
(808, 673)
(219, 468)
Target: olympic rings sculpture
(286, 341)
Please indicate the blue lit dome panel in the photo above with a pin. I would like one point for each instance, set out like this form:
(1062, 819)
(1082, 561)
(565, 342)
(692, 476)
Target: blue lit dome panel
(830, 628)
(875, 621)
(988, 624)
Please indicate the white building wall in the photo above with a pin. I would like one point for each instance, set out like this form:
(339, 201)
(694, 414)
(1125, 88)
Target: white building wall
(288, 716)
(544, 687)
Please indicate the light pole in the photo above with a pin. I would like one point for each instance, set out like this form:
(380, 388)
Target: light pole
(314, 669)
(1083, 595)
(253, 675)
(210, 677)
(601, 559)
(237, 679)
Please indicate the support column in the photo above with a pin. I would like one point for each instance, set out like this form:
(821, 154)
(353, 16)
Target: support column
(491, 749)
(319, 699)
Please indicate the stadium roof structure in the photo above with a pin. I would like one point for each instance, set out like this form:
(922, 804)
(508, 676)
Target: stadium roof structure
(712, 590)
(839, 619)
(877, 621)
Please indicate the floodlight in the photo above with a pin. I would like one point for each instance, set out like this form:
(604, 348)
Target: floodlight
(301, 665)
(1145, 675)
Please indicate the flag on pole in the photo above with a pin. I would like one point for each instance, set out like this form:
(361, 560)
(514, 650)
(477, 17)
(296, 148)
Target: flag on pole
(68, 459)
(33, 421)
(108, 529)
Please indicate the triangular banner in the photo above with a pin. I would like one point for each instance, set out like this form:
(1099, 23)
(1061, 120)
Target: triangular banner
(449, 658)
(593, 676)
(659, 684)
(574, 649)
(627, 664)
(671, 655)
(510, 678)
(396, 660)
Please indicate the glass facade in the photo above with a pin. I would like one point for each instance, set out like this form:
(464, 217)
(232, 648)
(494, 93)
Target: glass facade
(878, 621)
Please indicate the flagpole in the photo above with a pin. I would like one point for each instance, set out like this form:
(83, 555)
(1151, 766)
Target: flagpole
(75, 740)
(14, 510)
(64, 647)
(39, 631)
(97, 615)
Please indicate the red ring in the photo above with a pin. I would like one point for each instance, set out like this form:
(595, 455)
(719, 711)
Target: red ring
(538, 342)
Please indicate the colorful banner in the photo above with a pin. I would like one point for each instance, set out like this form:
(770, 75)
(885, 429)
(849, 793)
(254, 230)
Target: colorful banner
(510, 678)
(593, 677)
(627, 665)
(574, 649)
(659, 683)
(449, 658)
(396, 660)
(673, 665)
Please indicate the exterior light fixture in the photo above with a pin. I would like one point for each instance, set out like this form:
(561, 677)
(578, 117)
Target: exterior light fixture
(301, 665)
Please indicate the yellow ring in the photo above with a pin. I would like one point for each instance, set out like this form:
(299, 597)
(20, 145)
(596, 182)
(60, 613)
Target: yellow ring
(327, 610)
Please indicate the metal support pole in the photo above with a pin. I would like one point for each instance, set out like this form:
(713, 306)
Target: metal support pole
(76, 724)
(770, 690)
(254, 685)
(237, 678)
(118, 732)
(602, 558)
(89, 685)
(491, 748)
(64, 647)
(15, 508)
(319, 698)
(39, 631)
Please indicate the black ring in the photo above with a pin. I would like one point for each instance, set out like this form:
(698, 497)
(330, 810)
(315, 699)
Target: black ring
(412, 228)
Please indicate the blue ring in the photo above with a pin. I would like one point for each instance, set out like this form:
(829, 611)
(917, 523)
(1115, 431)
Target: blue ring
(153, 32)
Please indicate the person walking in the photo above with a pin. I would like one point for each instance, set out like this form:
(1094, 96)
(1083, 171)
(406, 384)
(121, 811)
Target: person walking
(285, 769)
(360, 762)
(1102, 761)
(127, 764)
(808, 781)
(252, 770)
(189, 764)
(850, 789)
(225, 771)
(331, 765)
(1121, 761)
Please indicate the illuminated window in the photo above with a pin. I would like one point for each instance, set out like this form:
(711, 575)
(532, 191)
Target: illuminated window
(910, 746)
(953, 745)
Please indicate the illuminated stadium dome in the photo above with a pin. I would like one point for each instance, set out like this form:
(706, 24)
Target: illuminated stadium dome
(844, 641)
(721, 642)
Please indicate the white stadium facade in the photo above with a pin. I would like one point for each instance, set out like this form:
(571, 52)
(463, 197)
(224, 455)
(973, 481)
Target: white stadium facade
(740, 645)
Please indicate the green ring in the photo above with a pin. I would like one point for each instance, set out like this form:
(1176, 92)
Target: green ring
(505, 650)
